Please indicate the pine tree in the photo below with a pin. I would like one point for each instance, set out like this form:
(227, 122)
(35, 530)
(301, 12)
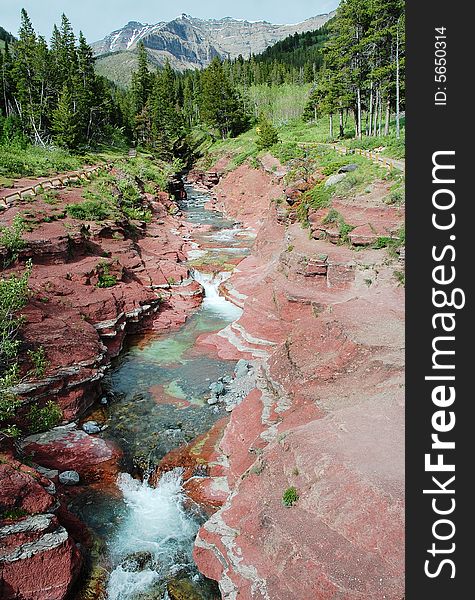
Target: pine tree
(28, 89)
(141, 80)
(267, 134)
(221, 105)
(65, 121)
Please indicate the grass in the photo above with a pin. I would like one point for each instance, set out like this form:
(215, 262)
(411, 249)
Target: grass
(33, 161)
(334, 216)
(93, 209)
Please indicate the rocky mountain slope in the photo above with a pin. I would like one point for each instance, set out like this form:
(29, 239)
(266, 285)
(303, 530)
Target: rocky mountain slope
(188, 42)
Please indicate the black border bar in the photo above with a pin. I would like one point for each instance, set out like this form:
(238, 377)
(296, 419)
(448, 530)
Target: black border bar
(432, 128)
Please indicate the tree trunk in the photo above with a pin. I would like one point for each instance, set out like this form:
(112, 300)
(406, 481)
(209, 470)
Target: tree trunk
(388, 114)
(358, 98)
(375, 114)
(331, 125)
(342, 130)
(380, 120)
(370, 117)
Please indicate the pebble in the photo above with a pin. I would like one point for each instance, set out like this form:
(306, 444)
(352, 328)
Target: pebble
(91, 427)
(69, 478)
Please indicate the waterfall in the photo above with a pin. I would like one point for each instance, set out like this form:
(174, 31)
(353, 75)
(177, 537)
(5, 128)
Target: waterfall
(155, 538)
(213, 301)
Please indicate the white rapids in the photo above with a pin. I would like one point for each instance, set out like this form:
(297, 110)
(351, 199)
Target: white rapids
(213, 301)
(157, 526)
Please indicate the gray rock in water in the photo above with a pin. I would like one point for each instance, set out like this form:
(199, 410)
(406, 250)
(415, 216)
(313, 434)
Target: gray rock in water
(347, 168)
(227, 380)
(242, 368)
(138, 561)
(104, 400)
(217, 388)
(91, 427)
(333, 179)
(69, 478)
(51, 488)
(213, 400)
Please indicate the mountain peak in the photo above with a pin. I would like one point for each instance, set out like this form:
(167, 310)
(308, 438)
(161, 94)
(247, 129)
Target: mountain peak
(191, 43)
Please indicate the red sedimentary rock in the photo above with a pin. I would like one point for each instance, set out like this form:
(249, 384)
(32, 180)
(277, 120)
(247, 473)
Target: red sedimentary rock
(326, 324)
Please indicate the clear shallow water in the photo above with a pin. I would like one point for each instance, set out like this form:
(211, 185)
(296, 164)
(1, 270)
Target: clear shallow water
(161, 384)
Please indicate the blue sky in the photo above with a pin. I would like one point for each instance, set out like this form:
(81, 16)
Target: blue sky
(97, 18)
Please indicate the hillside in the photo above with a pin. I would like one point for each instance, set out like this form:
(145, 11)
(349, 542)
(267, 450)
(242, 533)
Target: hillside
(191, 43)
(5, 36)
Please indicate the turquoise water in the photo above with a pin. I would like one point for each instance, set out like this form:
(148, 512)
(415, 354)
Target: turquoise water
(159, 387)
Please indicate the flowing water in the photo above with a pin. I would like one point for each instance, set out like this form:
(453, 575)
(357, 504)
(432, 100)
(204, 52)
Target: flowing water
(161, 384)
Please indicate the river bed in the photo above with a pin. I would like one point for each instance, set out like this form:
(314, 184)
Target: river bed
(160, 385)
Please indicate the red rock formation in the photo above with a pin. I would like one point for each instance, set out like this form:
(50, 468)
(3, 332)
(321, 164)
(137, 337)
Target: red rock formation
(81, 326)
(67, 448)
(38, 557)
(327, 325)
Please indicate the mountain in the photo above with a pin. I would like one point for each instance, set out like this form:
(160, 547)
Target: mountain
(191, 43)
(5, 36)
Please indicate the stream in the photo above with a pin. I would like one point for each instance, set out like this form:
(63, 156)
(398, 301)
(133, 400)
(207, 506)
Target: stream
(160, 385)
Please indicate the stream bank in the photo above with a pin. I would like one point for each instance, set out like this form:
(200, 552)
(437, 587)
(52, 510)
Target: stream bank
(164, 392)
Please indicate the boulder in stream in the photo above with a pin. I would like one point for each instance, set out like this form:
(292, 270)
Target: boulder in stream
(242, 368)
(69, 478)
(217, 388)
(91, 427)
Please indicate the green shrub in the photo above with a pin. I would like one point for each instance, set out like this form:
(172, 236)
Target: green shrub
(45, 417)
(137, 214)
(13, 513)
(332, 167)
(12, 238)
(13, 297)
(401, 277)
(395, 196)
(90, 210)
(39, 361)
(382, 242)
(290, 496)
(106, 280)
(334, 216)
(302, 213)
(287, 151)
(9, 402)
(20, 160)
(319, 196)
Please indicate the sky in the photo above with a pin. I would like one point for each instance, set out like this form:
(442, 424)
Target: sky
(97, 18)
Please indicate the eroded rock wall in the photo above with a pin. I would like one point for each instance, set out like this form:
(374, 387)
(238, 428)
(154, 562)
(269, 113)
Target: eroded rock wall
(326, 325)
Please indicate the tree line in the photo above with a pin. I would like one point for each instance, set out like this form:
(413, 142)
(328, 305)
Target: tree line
(352, 67)
(361, 72)
(50, 93)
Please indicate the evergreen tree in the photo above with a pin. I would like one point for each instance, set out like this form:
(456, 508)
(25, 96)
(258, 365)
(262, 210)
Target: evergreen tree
(65, 121)
(267, 134)
(221, 105)
(141, 80)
